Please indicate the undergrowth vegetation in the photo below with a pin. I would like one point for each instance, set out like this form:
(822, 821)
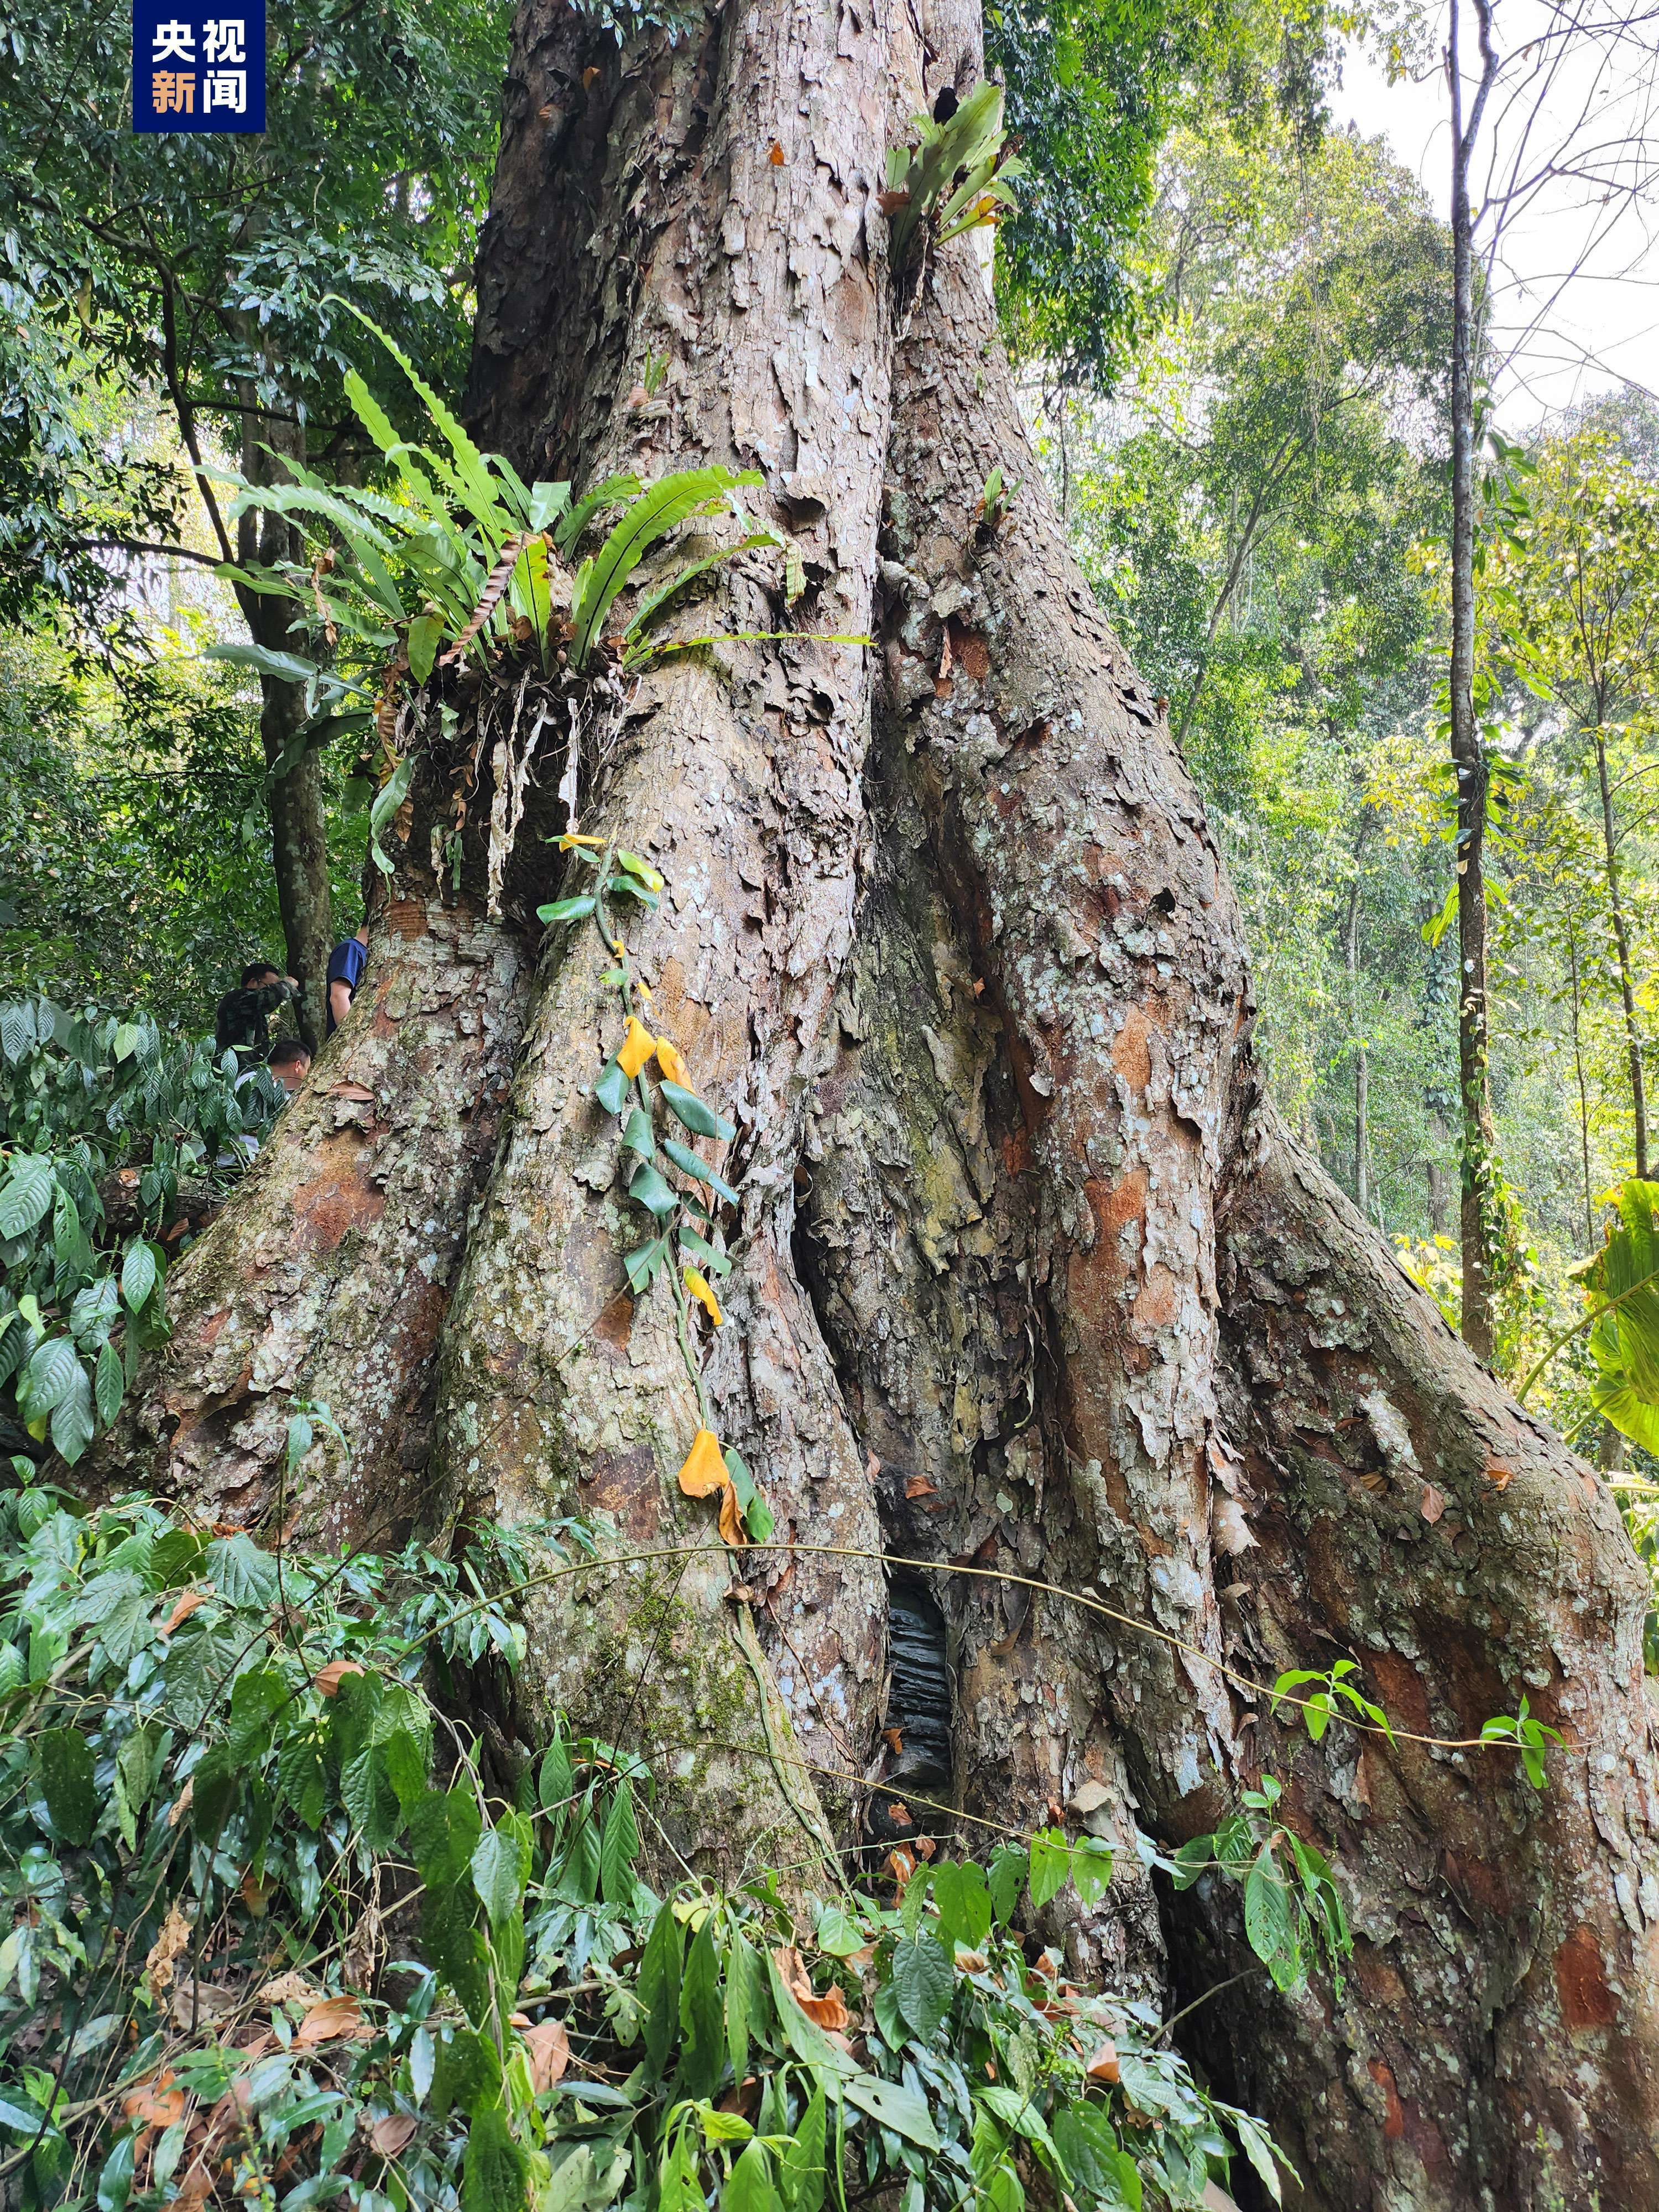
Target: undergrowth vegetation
(292, 1922)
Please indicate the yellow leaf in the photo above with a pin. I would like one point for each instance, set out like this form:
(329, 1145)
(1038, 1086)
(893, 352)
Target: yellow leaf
(704, 1471)
(637, 1047)
(731, 1529)
(672, 1066)
(699, 1289)
(571, 838)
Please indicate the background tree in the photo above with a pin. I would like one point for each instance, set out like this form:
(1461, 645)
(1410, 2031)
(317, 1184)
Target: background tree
(201, 267)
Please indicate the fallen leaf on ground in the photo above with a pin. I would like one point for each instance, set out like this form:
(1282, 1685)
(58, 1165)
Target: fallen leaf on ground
(195, 2002)
(390, 2134)
(793, 1968)
(1103, 2066)
(290, 1989)
(154, 2102)
(829, 2011)
(329, 2018)
(181, 1612)
(550, 2053)
(330, 1678)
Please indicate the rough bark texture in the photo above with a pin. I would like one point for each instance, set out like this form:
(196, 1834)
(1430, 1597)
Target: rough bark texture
(329, 1275)
(1028, 1281)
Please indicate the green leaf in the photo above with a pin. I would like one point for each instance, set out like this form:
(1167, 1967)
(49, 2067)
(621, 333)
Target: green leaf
(425, 635)
(288, 668)
(688, 1163)
(1051, 1861)
(556, 1778)
(455, 1946)
(109, 1382)
(619, 1849)
(642, 1264)
(1010, 1865)
(670, 500)
(72, 1424)
(894, 2106)
(701, 1252)
(243, 1575)
(963, 1902)
(838, 1933)
(1091, 1869)
(387, 801)
(611, 1088)
(444, 1831)
(702, 2055)
(571, 909)
(370, 1796)
(702, 1120)
(495, 2176)
(138, 1276)
(800, 2163)
(498, 1873)
(743, 1999)
(48, 1377)
(660, 1987)
(216, 1782)
(25, 1195)
(749, 2185)
(1270, 1920)
(637, 1135)
(649, 1189)
(63, 1765)
(923, 1980)
(467, 2074)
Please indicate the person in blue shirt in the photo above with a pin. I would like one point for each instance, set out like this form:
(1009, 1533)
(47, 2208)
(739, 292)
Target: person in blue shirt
(345, 971)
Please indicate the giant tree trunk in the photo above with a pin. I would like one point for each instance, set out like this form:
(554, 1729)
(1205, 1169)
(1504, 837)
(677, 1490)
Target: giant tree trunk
(1029, 1280)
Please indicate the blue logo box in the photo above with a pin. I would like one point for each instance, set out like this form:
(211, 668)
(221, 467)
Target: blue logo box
(198, 65)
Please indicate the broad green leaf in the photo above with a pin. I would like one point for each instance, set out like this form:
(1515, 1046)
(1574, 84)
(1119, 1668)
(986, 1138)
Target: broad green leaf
(640, 1265)
(498, 1873)
(923, 1980)
(647, 1189)
(702, 2055)
(1091, 1869)
(495, 2175)
(555, 1782)
(742, 1999)
(63, 1765)
(701, 1119)
(387, 801)
(963, 1902)
(611, 1088)
(72, 1424)
(800, 2163)
(48, 1378)
(1051, 1861)
(25, 1195)
(619, 1848)
(637, 1135)
(894, 2106)
(570, 909)
(690, 1163)
(242, 1573)
(749, 2185)
(1010, 1865)
(1270, 1920)
(455, 1946)
(288, 668)
(370, 1796)
(660, 1987)
(109, 1382)
(215, 1783)
(664, 505)
(138, 1275)
(444, 1831)
(425, 635)
(838, 1933)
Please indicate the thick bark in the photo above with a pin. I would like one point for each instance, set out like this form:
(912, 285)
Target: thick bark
(727, 307)
(1476, 1141)
(1268, 1405)
(328, 1276)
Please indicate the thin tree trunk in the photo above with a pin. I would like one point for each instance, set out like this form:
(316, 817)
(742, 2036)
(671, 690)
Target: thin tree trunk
(295, 799)
(1361, 1060)
(1476, 1141)
(1621, 938)
(1579, 1074)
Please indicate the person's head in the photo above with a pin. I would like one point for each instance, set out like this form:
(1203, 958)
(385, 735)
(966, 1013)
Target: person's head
(259, 973)
(289, 1062)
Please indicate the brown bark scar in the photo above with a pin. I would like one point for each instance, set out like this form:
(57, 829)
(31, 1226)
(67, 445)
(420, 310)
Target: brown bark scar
(1131, 1054)
(1581, 1983)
